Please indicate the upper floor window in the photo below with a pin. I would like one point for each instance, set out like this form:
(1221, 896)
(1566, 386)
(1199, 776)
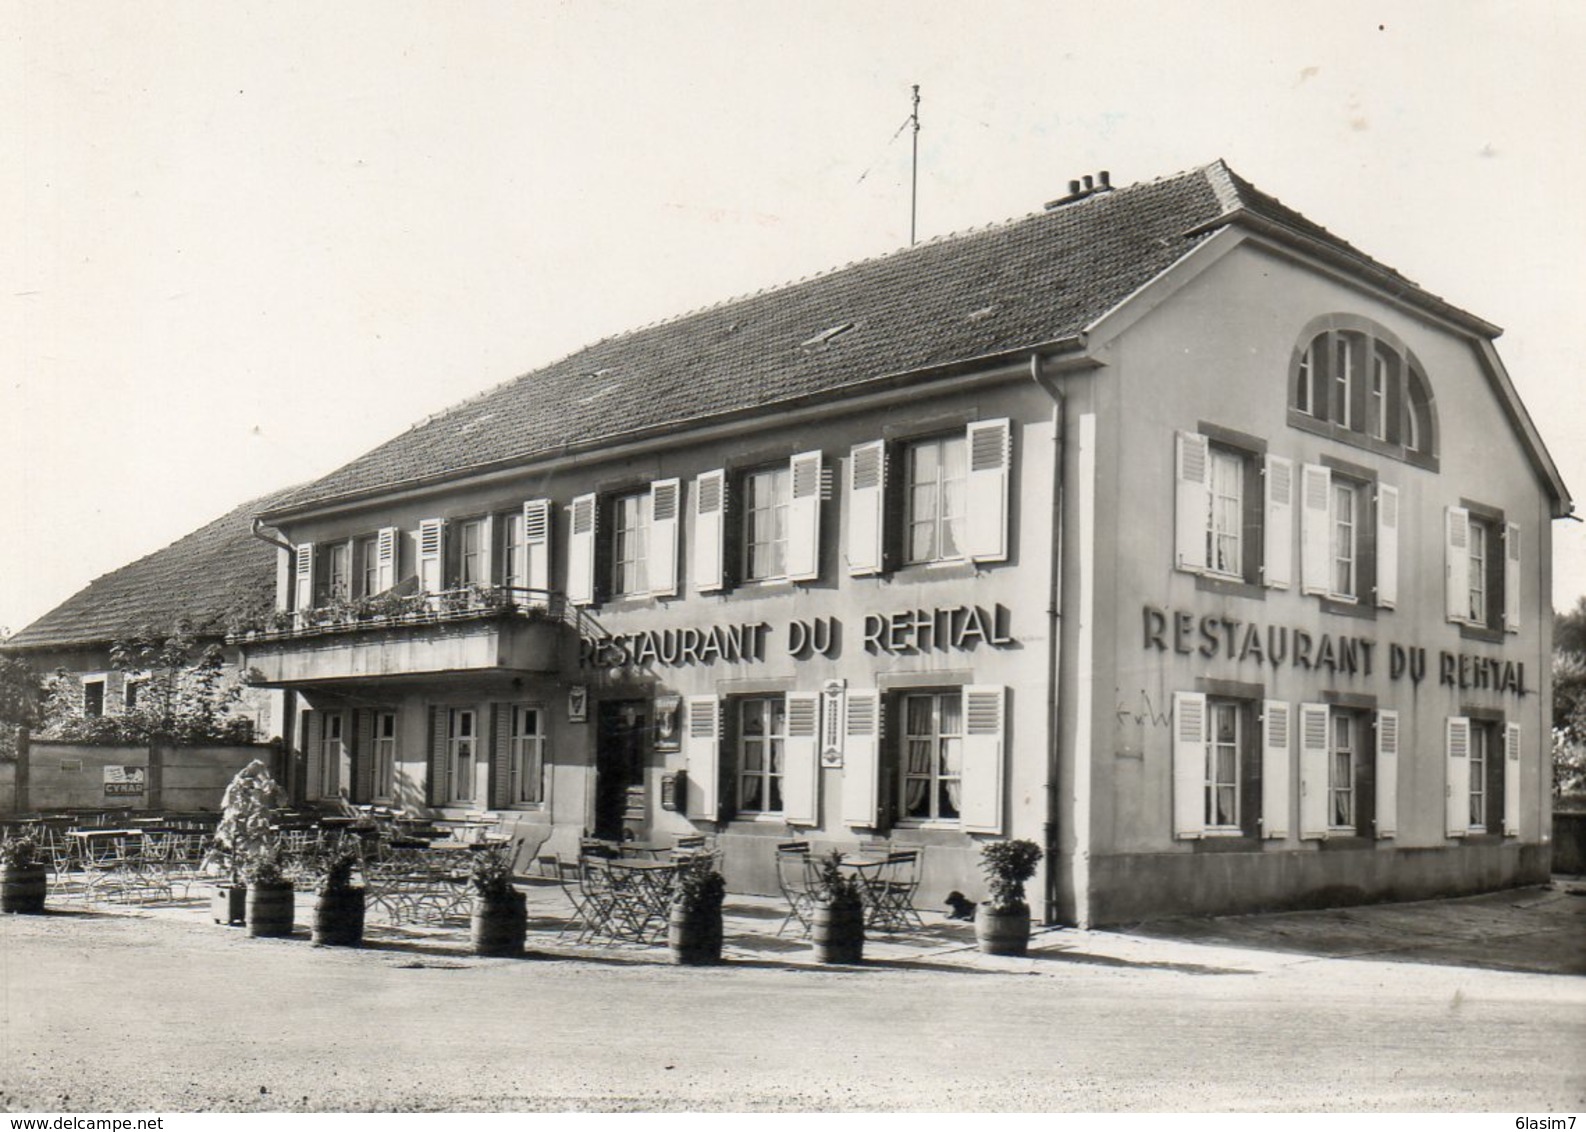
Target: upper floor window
(630, 521)
(473, 553)
(936, 479)
(763, 525)
(1355, 381)
(766, 496)
(1346, 539)
(1482, 567)
(1349, 536)
(621, 545)
(94, 697)
(337, 579)
(368, 555)
(1234, 508)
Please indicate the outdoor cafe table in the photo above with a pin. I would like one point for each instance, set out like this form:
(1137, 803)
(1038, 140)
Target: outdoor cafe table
(639, 899)
(871, 872)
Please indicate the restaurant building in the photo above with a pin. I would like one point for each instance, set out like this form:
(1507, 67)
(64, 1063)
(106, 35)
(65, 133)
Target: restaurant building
(1161, 527)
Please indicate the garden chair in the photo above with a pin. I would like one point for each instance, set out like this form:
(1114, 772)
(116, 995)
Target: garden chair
(793, 878)
(892, 893)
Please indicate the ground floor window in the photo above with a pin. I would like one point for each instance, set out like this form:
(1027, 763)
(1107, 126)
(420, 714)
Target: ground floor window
(462, 743)
(932, 756)
(1225, 726)
(762, 743)
(384, 785)
(526, 761)
(1344, 753)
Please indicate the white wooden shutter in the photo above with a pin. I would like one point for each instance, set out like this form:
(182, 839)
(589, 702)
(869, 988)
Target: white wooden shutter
(990, 446)
(665, 500)
(1511, 780)
(1387, 545)
(1277, 528)
(303, 564)
(385, 559)
(1316, 529)
(431, 562)
(1313, 771)
(702, 754)
(1189, 764)
(801, 759)
(581, 551)
(1457, 758)
(862, 758)
(537, 546)
(980, 789)
(1275, 773)
(1192, 501)
(867, 490)
(710, 515)
(1511, 578)
(804, 518)
(1456, 550)
(1387, 773)
(313, 749)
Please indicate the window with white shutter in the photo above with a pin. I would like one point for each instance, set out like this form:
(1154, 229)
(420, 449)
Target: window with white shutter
(1511, 780)
(1387, 546)
(385, 559)
(709, 543)
(702, 755)
(1275, 772)
(984, 753)
(801, 759)
(804, 518)
(1189, 764)
(990, 451)
(1278, 523)
(665, 503)
(537, 548)
(1387, 776)
(1313, 771)
(1316, 558)
(1457, 760)
(1456, 550)
(303, 577)
(431, 555)
(867, 477)
(1192, 495)
(581, 551)
(1511, 578)
(861, 758)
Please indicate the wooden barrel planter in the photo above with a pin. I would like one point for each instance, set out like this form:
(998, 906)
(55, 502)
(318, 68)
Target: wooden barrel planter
(22, 888)
(497, 927)
(1002, 933)
(694, 935)
(338, 918)
(270, 910)
(838, 932)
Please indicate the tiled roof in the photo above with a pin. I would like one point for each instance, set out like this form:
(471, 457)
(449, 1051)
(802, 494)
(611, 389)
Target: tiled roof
(980, 294)
(201, 576)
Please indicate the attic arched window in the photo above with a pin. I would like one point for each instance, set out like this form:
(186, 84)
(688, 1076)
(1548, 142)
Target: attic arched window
(1357, 382)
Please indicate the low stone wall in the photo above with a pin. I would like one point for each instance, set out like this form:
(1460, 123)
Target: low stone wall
(73, 776)
(8, 786)
(1569, 843)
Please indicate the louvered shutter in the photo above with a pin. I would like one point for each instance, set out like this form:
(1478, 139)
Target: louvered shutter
(665, 500)
(1189, 764)
(537, 547)
(1511, 578)
(1387, 545)
(1316, 529)
(1313, 771)
(990, 446)
(385, 559)
(313, 751)
(1278, 524)
(1387, 773)
(1192, 500)
(1511, 780)
(867, 479)
(437, 785)
(702, 754)
(801, 759)
(1275, 772)
(1457, 758)
(501, 756)
(581, 551)
(363, 757)
(980, 789)
(804, 518)
(710, 514)
(432, 544)
(1456, 550)
(303, 566)
(862, 758)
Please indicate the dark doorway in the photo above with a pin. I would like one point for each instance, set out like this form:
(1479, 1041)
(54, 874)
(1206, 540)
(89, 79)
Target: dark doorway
(619, 761)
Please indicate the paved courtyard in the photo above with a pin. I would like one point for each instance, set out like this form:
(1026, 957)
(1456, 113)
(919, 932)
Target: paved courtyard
(1447, 1005)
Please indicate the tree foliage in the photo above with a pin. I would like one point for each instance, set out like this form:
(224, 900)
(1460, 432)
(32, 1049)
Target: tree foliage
(21, 692)
(1569, 702)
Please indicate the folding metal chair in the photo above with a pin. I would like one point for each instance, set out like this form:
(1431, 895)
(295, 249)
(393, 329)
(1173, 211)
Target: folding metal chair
(893, 892)
(793, 878)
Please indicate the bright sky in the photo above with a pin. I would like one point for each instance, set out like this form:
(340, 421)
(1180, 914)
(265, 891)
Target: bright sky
(250, 241)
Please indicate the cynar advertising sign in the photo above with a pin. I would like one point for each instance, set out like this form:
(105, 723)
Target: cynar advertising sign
(124, 781)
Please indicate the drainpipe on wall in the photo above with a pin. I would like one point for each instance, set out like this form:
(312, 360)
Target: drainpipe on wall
(1054, 626)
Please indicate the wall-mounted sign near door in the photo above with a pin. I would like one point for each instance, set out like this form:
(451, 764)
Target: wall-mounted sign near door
(578, 704)
(834, 696)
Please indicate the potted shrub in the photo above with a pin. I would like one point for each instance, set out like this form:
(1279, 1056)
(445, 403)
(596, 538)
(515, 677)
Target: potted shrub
(1002, 923)
(242, 835)
(270, 893)
(22, 876)
(837, 919)
(338, 910)
(693, 929)
(500, 916)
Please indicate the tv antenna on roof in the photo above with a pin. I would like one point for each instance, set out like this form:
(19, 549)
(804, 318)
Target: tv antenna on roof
(914, 175)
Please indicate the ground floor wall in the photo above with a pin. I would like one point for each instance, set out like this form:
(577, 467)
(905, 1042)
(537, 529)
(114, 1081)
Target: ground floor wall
(1130, 888)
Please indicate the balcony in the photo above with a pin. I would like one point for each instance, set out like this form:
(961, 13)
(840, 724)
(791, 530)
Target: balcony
(481, 629)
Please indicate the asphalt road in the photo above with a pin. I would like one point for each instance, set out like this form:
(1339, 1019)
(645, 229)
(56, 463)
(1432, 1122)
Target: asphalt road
(123, 1012)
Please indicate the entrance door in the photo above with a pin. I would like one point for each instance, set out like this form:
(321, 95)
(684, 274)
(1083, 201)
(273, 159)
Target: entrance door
(619, 761)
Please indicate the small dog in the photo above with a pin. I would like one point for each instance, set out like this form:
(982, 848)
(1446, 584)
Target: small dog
(962, 907)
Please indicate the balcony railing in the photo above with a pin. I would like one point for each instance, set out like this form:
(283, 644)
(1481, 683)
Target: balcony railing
(384, 611)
